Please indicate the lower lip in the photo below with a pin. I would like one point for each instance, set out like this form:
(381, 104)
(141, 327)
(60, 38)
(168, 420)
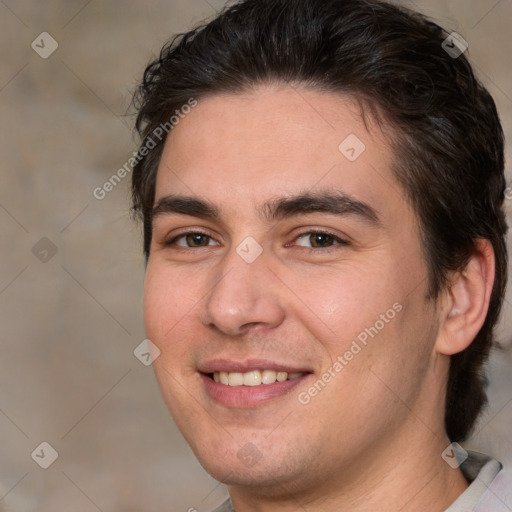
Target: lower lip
(248, 396)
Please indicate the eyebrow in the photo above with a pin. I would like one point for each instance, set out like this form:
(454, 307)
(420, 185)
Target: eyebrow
(336, 203)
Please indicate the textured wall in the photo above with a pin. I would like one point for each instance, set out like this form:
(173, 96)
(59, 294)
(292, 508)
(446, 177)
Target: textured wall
(71, 273)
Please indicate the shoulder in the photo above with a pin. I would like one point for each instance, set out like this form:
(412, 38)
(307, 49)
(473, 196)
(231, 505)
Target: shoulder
(488, 489)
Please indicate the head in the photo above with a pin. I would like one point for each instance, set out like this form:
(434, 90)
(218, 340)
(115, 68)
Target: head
(274, 90)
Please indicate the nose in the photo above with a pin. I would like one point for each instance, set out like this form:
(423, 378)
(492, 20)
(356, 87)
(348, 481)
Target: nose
(242, 296)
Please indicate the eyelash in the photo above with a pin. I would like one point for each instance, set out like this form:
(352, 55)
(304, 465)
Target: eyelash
(339, 241)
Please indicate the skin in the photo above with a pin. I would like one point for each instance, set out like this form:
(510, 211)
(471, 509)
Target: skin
(372, 438)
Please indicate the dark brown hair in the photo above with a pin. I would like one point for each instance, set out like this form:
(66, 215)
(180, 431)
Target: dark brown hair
(447, 134)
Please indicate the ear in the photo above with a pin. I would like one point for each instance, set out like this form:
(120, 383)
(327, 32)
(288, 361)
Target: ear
(467, 301)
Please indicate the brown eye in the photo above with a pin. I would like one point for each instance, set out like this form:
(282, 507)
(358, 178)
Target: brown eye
(319, 240)
(197, 240)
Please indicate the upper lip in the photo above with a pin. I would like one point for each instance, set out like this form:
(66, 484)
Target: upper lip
(231, 365)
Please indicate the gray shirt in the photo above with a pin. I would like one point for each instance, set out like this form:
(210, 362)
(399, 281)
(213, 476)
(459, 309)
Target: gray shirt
(486, 492)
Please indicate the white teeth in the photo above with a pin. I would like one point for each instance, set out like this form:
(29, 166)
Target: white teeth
(253, 378)
(235, 379)
(268, 376)
(281, 376)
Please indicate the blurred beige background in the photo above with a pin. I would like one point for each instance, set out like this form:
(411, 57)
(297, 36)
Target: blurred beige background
(72, 271)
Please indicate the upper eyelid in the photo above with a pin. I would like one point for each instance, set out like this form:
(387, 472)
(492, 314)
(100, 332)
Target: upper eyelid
(187, 230)
(173, 238)
(318, 231)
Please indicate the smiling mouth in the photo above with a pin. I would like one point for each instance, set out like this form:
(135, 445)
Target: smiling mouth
(253, 377)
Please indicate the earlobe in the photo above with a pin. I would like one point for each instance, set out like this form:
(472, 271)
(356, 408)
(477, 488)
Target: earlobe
(467, 301)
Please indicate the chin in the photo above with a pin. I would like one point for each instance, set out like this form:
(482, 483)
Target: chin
(242, 463)
(237, 475)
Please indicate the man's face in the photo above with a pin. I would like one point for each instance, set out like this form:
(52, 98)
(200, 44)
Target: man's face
(274, 277)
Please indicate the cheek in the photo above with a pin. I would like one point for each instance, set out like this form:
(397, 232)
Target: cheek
(345, 302)
(368, 321)
(169, 301)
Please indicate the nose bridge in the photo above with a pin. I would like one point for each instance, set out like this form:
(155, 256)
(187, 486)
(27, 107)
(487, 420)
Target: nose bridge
(239, 294)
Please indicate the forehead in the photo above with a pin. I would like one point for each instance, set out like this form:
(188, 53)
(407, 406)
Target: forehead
(276, 141)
